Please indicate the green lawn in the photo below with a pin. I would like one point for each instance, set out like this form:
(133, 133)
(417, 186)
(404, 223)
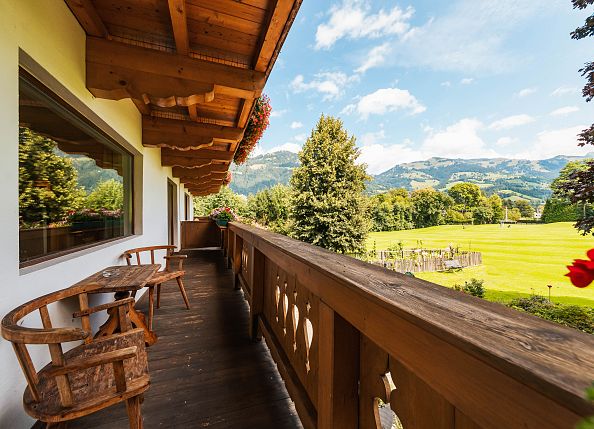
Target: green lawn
(517, 261)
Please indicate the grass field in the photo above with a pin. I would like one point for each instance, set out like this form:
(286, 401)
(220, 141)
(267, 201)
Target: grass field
(517, 261)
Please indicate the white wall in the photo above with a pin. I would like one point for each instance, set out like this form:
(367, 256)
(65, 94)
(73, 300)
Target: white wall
(48, 32)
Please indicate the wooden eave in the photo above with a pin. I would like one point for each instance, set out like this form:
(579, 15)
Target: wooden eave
(193, 68)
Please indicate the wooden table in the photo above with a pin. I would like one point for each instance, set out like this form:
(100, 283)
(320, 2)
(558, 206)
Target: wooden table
(121, 280)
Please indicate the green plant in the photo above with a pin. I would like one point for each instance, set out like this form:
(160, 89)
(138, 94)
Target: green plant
(472, 287)
(573, 316)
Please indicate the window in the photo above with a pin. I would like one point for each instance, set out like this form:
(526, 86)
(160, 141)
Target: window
(75, 184)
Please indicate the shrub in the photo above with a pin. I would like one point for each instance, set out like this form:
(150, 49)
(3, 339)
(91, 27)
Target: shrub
(473, 287)
(573, 316)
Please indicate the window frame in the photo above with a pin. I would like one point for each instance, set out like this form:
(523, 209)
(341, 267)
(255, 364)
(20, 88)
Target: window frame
(61, 95)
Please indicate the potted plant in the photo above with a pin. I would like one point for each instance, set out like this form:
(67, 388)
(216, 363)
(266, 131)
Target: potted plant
(222, 215)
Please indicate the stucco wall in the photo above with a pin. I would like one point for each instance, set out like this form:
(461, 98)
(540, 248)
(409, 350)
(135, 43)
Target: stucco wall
(49, 33)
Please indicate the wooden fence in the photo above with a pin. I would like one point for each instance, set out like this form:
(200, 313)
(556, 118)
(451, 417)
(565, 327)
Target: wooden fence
(423, 263)
(339, 329)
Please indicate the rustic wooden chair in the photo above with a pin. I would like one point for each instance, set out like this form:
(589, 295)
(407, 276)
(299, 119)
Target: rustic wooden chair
(170, 272)
(93, 375)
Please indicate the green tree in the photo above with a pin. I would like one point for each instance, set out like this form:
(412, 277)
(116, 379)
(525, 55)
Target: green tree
(579, 188)
(107, 195)
(482, 214)
(429, 207)
(526, 209)
(48, 187)
(328, 206)
(224, 198)
(514, 214)
(559, 186)
(391, 211)
(271, 207)
(496, 205)
(467, 195)
(559, 210)
(559, 207)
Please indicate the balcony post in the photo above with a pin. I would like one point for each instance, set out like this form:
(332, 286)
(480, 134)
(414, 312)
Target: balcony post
(230, 243)
(338, 372)
(236, 262)
(258, 276)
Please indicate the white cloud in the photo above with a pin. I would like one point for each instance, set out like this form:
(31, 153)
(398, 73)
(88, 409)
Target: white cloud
(296, 124)
(467, 81)
(375, 57)
(447, 84)
(385, 100)
(525, 92)
(372, 137)
(459, 140)
(353, 19)
(564, 90)
(291, 147)
(277, 113)
(330, 84)
(300, 138)
(511, 122)
(380, 158)
(564, 111)
(470, 36)
(555, 142)
(505, 141)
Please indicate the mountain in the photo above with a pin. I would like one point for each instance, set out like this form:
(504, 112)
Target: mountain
(263, 171)
(510, 178)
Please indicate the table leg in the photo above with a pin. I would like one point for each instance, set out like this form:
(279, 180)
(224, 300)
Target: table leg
(135, 317)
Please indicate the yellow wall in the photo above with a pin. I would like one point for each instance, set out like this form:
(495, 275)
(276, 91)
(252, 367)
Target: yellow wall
(48, 32)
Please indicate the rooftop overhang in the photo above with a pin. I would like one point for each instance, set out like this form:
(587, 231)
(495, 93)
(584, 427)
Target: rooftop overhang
(193, 68)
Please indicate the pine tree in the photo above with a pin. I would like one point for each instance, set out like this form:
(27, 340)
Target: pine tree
(328, 207)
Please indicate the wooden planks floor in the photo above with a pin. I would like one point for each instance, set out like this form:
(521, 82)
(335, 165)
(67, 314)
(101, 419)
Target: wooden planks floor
(205, 372)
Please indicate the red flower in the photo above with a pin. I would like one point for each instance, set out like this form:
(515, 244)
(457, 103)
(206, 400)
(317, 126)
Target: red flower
(581, 273)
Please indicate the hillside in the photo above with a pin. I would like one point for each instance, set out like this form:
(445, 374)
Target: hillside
(507, 177)
(263, 171)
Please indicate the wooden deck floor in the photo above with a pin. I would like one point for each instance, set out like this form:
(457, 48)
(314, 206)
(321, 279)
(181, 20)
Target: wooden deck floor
(205, 372)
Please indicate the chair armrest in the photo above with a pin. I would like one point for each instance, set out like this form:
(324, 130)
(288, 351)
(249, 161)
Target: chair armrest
(171, 258)
(102, 307)
(101, 359)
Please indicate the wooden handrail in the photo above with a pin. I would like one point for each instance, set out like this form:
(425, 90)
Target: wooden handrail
(484, 363)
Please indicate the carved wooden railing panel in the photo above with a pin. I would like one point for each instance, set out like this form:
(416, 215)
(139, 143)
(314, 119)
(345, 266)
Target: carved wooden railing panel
(347, 336)
(291, 311)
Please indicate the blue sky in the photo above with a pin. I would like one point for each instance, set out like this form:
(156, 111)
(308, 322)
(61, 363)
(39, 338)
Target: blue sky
(412, 80)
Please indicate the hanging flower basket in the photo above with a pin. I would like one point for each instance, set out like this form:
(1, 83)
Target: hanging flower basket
(254, 130)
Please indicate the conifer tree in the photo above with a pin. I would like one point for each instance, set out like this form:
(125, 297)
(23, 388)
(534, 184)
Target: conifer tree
(328, 207)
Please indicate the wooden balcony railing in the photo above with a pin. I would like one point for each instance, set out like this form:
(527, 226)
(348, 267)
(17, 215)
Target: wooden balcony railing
(339, 328)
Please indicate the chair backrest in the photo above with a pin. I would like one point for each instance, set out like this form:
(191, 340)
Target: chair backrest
(21, 336)
(134, 256)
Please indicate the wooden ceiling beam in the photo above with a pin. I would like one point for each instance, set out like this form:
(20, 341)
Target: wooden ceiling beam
(276, 25)
(116, 68)
(189, 173)
(203, 191)
(179, 22)
(152, 138)
(187, 130)
(205, 178)
(193, 158)
(87, 17)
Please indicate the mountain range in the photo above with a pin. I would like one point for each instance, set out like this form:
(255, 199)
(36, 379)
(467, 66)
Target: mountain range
(510, 178)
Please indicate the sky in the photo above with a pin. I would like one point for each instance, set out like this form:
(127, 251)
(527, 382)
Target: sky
(418, 79)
